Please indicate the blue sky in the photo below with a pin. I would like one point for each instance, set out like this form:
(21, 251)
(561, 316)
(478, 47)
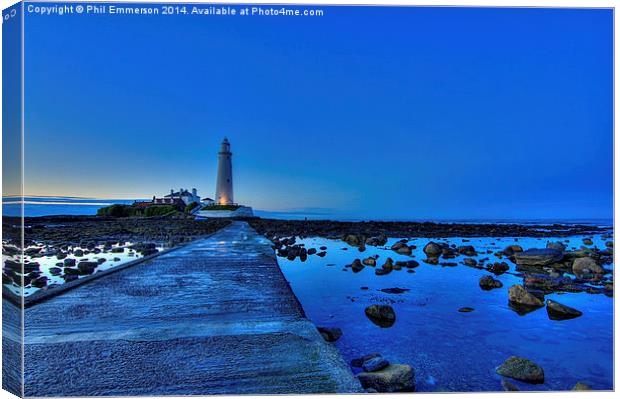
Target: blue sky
(365, 112)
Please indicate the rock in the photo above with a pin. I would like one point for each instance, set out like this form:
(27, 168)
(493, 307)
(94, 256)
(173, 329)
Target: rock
(609, 244)
(375, 364)
(357, 266)
(557, 311)
(432, 249)
(587, 241)
(585, 266)
(381, 315)
(466, 309)
(393, 378)
(370, 261)
(509, 386)
(321, 254)
(78, 253)
(487, 283)
(323, 248)
(394, 290)
(116, 259)
(470, 262)
(101, 260)
(352, 240)
(330, 334)
(467, 250)
(581, 386)
(431, 261)
(388, 265)
(87, 267)
(410, 264)
(70, 271)
(31, 267)
(538, 257)
(498, 268)
(556, 245)
(522, 300)
(69, 262)
(401, 248)
(39, 282)
(512, 249)
(382, 272)
(312, 251)
(544, 283)
(377, 241)
(522, 369)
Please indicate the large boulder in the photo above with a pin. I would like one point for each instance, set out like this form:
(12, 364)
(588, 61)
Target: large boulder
(487, 283)
(498, 268)
(512, 249)
(584, 266)
(393, 378)
(557, 311)
(432, 249)
(381, 315)
(518, 296)
(522, 369)
(401, 248)
(538, 257)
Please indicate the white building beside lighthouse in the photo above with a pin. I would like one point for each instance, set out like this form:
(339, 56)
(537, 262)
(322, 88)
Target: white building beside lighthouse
(224, 185)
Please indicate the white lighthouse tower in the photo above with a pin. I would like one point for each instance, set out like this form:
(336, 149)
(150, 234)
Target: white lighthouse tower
(224, 187)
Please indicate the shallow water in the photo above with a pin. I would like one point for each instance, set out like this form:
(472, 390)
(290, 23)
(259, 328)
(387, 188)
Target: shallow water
(452, 351)
(112, 259)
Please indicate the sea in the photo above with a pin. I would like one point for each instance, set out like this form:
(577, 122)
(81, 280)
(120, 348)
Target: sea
(59, 205)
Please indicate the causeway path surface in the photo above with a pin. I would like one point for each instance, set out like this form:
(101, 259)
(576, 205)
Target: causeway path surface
(214, 317)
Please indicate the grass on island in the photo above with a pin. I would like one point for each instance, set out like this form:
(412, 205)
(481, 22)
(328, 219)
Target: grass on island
(124, 211)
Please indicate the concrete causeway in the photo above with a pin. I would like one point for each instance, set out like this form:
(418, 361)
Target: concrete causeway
(214, 317)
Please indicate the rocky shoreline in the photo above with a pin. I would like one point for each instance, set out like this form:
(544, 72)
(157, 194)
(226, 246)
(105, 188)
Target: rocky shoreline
(79, 230)
(335, 230)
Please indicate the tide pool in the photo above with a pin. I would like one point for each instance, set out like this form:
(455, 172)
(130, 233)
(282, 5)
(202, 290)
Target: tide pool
(449, 350)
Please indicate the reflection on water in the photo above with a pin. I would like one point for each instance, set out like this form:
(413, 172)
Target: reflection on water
(452, 350)
(48, 266)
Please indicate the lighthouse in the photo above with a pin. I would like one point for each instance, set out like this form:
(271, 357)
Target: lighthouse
(224, 187)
